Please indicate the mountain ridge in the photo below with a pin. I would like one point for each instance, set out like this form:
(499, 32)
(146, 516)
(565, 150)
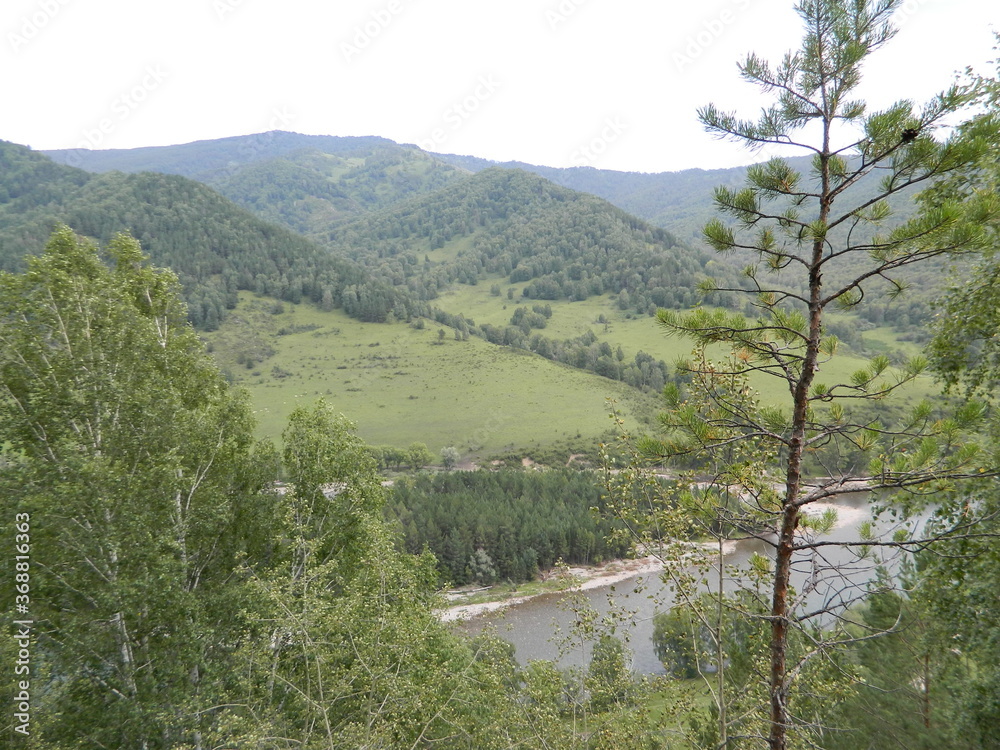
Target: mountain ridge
(215, 247)
(666, 199)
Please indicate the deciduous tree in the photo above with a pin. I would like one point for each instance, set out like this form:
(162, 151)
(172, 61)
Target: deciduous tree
(137, 465)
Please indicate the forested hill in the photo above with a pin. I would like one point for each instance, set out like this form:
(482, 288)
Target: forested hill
(678, 201)
(390, 205)
(564, 244)
(312, 190)
(215, 247)
(356, 174)
(306, 182)
(201, 158)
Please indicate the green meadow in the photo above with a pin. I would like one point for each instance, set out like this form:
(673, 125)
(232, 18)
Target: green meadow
(403, 385)
(642, 333)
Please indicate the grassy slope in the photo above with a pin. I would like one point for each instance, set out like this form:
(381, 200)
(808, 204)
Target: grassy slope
(401, 386)
(570, 319)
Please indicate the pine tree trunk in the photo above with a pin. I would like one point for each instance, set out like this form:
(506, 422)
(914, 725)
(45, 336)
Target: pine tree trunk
(793, 481)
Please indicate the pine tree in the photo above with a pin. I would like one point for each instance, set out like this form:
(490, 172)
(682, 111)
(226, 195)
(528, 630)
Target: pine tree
(811, 245)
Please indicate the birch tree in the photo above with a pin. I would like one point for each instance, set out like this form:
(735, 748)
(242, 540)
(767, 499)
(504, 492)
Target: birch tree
(135, 462)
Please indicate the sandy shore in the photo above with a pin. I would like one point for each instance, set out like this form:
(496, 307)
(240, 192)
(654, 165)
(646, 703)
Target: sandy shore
(586, 579)
(617, 571)
(594, 577)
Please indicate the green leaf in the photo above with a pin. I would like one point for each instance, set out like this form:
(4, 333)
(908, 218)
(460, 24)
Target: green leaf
(719, 236)
(866, 531)
(774, 418)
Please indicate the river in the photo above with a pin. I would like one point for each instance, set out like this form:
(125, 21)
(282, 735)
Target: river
(538, 626)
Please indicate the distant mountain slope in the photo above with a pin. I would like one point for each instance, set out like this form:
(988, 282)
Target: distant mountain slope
(215, 247)
(678, 201)
(362, 179)
(565, 244)
(316, 185)
(307, 183)
(29, 179)
(311, 190)
(204, 157)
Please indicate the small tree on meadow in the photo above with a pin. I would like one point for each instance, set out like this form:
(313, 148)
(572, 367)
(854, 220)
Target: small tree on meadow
(450, 456)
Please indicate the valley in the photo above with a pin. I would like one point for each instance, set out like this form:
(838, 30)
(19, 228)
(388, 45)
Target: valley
(402, 384)
(351, 374)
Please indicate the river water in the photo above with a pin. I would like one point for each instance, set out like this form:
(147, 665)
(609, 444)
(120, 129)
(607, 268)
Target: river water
(539, 628)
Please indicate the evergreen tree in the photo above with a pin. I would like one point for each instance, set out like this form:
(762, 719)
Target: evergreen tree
(811, 245)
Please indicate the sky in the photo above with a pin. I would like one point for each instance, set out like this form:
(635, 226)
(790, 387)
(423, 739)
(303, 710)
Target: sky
(613, 84)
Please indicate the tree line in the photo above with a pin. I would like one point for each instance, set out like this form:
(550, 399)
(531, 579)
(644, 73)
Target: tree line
(584, 352)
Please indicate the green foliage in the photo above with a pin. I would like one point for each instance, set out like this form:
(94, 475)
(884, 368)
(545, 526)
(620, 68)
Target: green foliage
(957, 603)
(609, 678)
(481, 568)
(418, 456)
(339, 612)
(215, 248)
(450, 456)
(964, 349)
(136, 464)
(926, 673)
(678, 642)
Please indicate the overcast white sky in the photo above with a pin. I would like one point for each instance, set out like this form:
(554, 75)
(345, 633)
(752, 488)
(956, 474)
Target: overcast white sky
(609, 83)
